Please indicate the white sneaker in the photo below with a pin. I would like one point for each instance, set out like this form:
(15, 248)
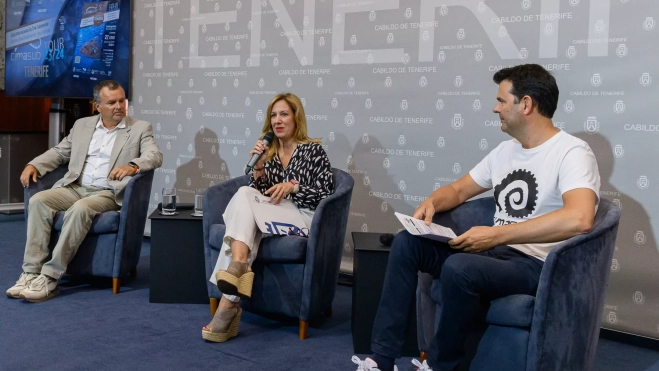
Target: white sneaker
(367, 364)
(23, 282)
(421, 366)
(42, 288)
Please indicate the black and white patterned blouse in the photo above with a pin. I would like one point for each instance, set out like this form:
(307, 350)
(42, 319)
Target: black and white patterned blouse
(310, 166)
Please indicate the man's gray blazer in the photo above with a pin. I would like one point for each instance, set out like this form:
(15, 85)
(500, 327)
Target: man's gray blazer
(134, 143)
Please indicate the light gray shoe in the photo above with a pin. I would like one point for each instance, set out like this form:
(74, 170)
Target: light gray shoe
(42, 288)
(22, 283)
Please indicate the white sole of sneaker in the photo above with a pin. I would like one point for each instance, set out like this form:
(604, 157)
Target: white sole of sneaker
(50, 295)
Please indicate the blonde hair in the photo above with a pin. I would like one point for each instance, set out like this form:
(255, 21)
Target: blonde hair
(300, 134)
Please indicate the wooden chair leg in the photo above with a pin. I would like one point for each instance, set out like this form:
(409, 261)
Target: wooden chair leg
(133, 272)
(328, 311)
(423, 356)
(304, 329)
(215, 302)
(116, 283)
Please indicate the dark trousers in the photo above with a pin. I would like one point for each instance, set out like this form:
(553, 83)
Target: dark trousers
(468, 282)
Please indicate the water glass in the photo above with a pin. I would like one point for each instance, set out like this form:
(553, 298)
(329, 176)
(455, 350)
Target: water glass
(169, 201)
(198, 202)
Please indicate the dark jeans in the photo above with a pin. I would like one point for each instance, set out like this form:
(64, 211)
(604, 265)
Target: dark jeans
(467, 282)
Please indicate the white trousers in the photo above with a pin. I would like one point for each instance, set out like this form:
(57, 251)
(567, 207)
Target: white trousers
(241, 226)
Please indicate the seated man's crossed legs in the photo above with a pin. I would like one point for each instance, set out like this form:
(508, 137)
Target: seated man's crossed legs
(468, 281)
(38, 282)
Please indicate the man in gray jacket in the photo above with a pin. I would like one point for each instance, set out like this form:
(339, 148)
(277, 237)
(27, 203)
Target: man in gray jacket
(103, 153)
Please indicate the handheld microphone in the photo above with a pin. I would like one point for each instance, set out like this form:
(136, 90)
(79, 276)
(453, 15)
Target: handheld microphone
(267, 139)
(386, 239)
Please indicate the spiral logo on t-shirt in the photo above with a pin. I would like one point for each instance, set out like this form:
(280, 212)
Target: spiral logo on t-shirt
(518, 193)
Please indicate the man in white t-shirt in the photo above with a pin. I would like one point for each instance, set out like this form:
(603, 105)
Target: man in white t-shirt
(546, 185)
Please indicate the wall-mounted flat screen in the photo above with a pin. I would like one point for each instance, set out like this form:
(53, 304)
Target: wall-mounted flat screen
(62, 48)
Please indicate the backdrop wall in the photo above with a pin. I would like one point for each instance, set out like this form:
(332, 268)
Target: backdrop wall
(401, 94)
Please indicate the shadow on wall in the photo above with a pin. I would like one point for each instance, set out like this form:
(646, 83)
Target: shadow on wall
(206, 168)
(633, 296)
(373, 204)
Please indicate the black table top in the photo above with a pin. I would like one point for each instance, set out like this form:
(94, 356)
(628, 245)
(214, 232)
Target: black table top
(369, 241)
(184, 214)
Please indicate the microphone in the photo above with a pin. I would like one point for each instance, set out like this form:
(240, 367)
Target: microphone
(267, 139)
(386, 239)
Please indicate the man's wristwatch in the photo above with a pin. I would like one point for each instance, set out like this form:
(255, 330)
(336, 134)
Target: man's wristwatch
(134, 166)
(296, 186)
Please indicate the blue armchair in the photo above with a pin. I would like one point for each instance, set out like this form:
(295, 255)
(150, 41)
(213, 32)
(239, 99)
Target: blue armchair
(294, 276)
(112, 245)
(555, 330)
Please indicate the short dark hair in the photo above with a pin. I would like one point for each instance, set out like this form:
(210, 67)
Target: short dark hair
(110, 84)
(536, 82)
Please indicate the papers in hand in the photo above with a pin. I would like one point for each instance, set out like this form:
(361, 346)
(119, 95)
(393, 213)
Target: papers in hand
(276, 219)
(418, 227)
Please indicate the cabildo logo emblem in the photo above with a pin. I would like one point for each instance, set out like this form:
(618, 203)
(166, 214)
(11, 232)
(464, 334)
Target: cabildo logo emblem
(386, 163)
(645, 79)
(461, 34)
(350, 160)
(335, 103)
(443, 10)
(367, 181)
(639, 237)
(441, 142)
(457, 122)
(569, 106)
(401, 140)
(619, 107)
(615, 266)
(259, 116)
(456, 168)
(502, 31)
(643, 182)
(596, 80)
(591, 125)
(612, 318)
(364, 227)
(483, 144)
(384, 207)
(478, 56)
(571, 52)
(477, 105)
(523, 53)
(188, 113)
(368, 104)
(648, 24)
(439, 105)
(402, 186)
(365, 138)
(421, 166)
(639, 298)
(331, 136)
(441, 56)
(618, 151)
(349, 119)
(458, 81)
(526, 4)
(621, 50)
(403, 105)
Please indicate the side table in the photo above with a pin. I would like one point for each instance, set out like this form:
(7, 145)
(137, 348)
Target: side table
(369, 266)
(178, 273)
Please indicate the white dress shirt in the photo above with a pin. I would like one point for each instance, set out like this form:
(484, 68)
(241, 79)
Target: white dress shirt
(97, 163)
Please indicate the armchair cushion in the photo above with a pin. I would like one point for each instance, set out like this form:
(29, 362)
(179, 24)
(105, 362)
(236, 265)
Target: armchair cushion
(107, 222)
(513, 310)
(273, 249)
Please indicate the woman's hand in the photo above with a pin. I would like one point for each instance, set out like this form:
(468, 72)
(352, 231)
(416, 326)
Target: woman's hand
(278, 191)
(259, 148)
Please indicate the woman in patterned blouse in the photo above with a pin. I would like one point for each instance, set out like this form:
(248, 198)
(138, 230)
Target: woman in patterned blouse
(294, 167)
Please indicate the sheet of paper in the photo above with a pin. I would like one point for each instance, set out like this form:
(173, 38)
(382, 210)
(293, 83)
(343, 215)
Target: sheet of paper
(276, 219)
(418, 227)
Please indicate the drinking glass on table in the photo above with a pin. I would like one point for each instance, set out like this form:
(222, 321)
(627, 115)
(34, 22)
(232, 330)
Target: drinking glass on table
(169, 201)
(198, 203)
